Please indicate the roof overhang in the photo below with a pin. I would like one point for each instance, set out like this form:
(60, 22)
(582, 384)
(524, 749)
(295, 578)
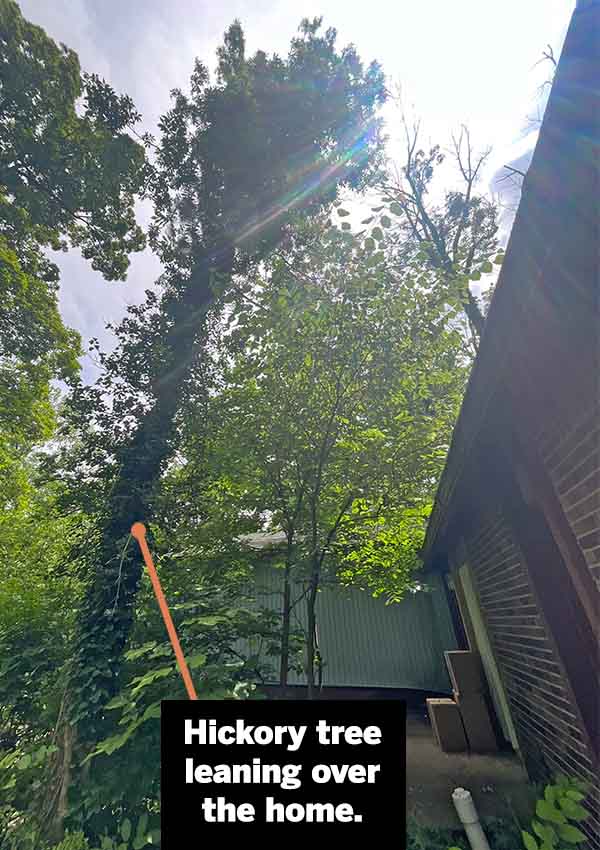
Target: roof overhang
(544, 312)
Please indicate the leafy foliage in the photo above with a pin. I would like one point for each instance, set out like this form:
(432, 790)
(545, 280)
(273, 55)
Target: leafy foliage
(66, 176)
(453, 232)
(338, 391)
(35, 347)
(69, 173)
(378, 547)
(268, 136)
(551, 828)
(40, 593)
(234, 156)
(557, 814)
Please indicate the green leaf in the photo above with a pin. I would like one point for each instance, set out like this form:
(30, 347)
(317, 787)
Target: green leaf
(573, 810)
(544, 831)
(529, 841)
(385, 221)
(133, 654)
(142, 826)
(395, 208)
(475, 276)
(545, 811)
(498, 259)
(152, 676)
(342, 212)
(377, 233)
(151, 713)
(24, 762)
(486, 267)
(39, 755)
(197, 660)
(577, 796)
(208, 620)
(126, 829)
(571, 834)
(581, 785)
(369, 244)
(346, 225)
(120, 701)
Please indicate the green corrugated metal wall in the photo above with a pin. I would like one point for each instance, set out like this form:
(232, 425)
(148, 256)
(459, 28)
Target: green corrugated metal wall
(366, 643)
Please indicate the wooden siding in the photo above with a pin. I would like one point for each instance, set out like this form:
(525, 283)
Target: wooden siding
(549, 732)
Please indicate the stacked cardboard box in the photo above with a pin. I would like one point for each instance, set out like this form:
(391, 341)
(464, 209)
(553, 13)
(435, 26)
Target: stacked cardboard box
(468, 685)
(464, 669)
(447, 725)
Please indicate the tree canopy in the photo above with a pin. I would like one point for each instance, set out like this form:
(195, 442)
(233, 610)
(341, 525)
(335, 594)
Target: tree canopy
(235, 156)
(339, 387)
(69, 171)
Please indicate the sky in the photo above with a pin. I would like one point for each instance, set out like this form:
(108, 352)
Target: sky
(472, 62)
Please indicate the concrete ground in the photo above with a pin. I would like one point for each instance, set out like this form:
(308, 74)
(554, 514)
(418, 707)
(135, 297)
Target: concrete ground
(432, 776)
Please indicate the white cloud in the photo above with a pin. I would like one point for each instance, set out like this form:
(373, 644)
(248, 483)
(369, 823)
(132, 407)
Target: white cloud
(466, 61)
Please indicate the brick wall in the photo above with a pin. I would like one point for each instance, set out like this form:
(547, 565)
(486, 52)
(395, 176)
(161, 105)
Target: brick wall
(549, 732)
(572, 457)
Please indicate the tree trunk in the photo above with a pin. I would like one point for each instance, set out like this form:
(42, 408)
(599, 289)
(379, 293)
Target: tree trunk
(474, 315)
(54, 802)
(106, 615)
(311, 639)
(62, 808)
(286, 620)
(318, 660)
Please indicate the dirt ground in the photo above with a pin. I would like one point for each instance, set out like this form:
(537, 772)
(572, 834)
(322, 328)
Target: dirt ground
(432, 776)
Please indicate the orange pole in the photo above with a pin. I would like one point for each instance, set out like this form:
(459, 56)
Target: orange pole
(138, 530)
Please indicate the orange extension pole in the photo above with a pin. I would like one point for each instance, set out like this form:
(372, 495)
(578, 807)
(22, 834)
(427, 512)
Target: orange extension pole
(138, 530)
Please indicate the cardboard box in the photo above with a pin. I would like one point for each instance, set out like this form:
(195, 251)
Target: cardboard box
(477, 723)
(447, 725)
(466, 673)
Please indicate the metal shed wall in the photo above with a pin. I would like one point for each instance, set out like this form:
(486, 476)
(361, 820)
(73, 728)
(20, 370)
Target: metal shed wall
(366, 643)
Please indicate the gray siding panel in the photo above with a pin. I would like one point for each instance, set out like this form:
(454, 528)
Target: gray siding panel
(366, 643)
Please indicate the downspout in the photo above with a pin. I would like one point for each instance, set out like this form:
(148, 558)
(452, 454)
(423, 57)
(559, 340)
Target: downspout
(465, 808)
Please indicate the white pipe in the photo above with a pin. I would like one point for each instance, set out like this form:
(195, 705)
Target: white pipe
(465, 807)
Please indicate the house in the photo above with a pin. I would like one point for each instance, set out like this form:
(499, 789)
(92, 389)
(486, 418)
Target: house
(515, 530)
